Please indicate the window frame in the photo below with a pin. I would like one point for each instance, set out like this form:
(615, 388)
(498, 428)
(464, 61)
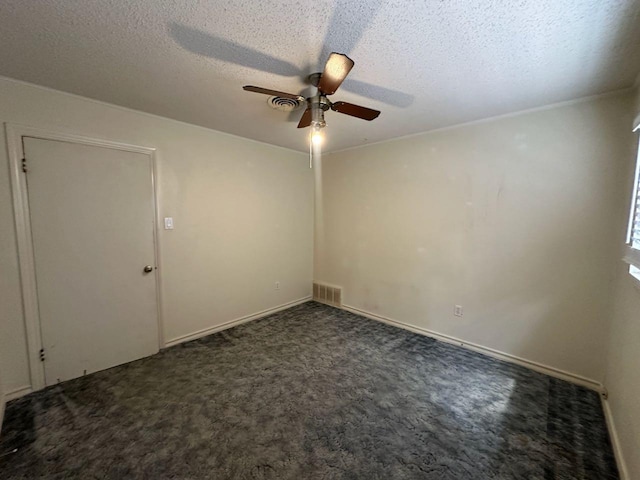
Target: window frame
(632, 255)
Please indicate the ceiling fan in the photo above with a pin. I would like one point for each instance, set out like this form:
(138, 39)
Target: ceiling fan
(335, 71)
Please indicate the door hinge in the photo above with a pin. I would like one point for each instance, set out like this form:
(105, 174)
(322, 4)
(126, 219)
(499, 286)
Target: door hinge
(42, 354)
(24, 165)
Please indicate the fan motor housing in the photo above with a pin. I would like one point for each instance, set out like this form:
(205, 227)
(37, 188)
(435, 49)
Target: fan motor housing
(321, 101)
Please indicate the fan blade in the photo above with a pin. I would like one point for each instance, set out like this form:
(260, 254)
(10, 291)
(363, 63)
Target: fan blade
(273, 93)
(335, 71)
(355, 110)
(305, 121)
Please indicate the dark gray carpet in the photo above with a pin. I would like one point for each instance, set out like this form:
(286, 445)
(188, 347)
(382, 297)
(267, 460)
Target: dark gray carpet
(310, 393)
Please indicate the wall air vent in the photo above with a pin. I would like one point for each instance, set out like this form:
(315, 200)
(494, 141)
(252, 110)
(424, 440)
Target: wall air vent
(327, 294)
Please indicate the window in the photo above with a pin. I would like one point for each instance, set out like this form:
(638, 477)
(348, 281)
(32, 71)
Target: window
(632, 255)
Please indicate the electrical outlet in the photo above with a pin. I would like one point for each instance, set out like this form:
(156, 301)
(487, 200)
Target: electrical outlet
(277, 285)
(457, 310)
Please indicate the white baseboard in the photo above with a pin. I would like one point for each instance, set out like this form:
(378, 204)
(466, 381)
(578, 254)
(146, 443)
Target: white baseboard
(17, 393)
(2, 403)
(538, 367)
(615, 441)
(233, 323)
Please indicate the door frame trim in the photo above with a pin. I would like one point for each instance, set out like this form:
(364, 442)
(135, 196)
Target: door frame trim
(14, 134)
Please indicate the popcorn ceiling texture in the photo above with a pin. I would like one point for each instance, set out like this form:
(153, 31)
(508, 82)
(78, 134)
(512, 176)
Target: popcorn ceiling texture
(311, 392)
(423, 64)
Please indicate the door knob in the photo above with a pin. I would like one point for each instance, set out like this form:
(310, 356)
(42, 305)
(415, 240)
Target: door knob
(147, 269)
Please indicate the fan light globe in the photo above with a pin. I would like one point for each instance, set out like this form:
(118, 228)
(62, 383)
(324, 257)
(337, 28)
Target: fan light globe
(316, 137)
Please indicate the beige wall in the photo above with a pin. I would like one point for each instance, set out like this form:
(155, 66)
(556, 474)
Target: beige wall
(243, 215)
(623, 355)
(513, 218)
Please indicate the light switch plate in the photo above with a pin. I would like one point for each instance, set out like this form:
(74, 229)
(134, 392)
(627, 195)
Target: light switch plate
(168, 223)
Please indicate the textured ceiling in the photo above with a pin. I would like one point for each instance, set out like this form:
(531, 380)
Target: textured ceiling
(424, 64)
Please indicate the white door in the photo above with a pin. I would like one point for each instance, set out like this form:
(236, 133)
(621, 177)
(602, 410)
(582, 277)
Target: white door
(92, 223)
